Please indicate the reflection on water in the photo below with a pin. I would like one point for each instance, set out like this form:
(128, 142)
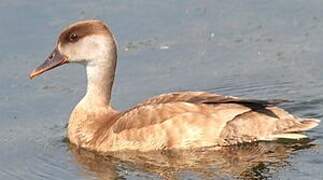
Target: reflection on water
(248, 161)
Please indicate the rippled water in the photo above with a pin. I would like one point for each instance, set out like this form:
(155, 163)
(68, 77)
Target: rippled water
(258, 49)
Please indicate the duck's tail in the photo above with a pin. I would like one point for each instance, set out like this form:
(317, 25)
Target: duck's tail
(294, 132)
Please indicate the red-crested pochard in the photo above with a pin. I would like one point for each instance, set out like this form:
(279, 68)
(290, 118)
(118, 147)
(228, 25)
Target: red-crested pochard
(178, 120)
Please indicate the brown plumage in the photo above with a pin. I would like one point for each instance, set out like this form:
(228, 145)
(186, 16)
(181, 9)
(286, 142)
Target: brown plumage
(179, 120)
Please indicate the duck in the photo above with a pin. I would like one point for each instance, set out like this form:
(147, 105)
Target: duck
(170, 121)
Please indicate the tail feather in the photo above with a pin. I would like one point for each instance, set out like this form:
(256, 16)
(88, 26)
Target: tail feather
(304, 125)
(294, 132)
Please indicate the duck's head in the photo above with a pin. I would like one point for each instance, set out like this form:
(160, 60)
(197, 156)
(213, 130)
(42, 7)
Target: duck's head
(84, 42)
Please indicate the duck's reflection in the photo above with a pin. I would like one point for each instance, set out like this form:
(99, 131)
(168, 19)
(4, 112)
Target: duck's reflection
(249, 161)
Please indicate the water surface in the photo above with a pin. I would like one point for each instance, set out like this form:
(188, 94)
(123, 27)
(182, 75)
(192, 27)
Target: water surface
(258, 49)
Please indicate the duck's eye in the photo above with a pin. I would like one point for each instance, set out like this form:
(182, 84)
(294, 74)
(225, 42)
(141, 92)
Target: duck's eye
(73, 37)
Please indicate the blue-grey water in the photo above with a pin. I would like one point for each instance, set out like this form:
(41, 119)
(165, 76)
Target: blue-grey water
(252, 48)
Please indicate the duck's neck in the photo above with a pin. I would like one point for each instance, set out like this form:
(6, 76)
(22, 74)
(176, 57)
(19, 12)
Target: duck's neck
(100, 76)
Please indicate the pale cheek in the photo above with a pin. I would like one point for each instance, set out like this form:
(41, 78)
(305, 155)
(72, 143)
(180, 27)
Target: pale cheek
(92, 48)
(65, 50)
(60, 48)
(87, 49)
(74, 53)
(95, 45)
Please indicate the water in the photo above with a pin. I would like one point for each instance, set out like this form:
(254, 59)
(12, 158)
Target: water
(258, 49)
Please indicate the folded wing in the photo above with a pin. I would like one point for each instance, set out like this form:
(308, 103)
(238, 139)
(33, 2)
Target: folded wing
(213, 119)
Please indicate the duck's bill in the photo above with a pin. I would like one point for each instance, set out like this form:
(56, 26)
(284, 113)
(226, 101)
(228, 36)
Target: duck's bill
(54, 60)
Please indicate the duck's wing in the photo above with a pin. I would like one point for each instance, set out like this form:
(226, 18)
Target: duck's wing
(160, 108)
(227, 119)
